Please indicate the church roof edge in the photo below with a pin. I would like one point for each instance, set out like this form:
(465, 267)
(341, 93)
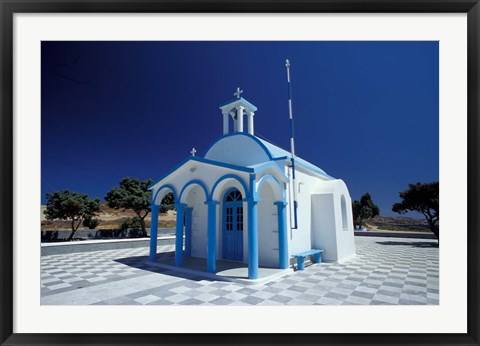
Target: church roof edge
(275, 152)
(241, 100)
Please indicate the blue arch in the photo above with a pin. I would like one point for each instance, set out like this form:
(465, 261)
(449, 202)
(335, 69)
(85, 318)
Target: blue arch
(263, 180)
(231, 176)
(166, 186)
(191, 182)
(263, 146)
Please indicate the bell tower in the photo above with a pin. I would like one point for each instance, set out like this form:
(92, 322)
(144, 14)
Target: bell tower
(238, 109)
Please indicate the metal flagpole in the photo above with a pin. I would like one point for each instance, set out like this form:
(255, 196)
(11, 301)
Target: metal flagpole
(292, 145)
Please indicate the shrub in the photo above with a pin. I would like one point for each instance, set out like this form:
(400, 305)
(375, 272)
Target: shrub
(49, 235)
(166, 207)
(125, 224)
(135, 222)
(90, 222)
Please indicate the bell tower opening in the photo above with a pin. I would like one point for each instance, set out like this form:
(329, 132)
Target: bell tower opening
(237, 110)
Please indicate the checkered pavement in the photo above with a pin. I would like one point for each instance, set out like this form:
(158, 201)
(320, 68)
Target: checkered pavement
(385, 271)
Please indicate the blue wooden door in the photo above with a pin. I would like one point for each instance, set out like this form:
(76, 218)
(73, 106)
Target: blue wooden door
(233, 226)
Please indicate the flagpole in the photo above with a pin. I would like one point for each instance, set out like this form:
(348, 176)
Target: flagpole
(292, 145)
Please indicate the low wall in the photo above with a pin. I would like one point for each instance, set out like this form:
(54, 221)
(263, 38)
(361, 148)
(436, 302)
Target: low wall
(84, 233)
(395, 234)
(101, 245)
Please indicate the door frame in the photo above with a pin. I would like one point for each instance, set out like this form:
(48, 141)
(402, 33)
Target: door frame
(233, 204)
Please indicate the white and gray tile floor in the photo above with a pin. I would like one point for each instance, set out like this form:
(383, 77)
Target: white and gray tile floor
(386, 271)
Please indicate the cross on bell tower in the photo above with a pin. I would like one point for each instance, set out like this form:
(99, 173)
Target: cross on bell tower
(237, 109)
(238, 92)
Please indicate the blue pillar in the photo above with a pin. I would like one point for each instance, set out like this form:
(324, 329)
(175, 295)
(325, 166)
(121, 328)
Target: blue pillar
(252, 239)
(188, 231)
(212, 236)
(282, 235)
(153, 233)
(179, 234)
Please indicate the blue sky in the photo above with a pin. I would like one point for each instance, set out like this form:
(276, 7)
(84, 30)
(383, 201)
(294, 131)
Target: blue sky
(365, 112)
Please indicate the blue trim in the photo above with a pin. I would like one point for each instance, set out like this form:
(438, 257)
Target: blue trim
(188, 231)
(191, 182)
(166, 186)
(282, 235)
(233, 176)
(253, 177)
(222, 164)
(265, 178)
(179, 234)
(212, 236)
(252, 240)
(262, 145)
(280, 158)
(153, 233)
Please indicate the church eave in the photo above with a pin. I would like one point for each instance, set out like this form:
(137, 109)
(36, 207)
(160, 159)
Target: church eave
(241, 101)
(205, 161)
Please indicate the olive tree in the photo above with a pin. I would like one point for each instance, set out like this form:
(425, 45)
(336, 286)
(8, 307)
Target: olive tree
(71, 206)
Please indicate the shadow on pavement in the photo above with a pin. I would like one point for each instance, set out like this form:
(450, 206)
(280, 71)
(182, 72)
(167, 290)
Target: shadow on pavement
(419, 244)
(140, 262)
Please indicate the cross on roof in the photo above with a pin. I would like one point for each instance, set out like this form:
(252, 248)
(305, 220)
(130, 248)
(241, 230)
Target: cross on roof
(193, 152)
(238, 92)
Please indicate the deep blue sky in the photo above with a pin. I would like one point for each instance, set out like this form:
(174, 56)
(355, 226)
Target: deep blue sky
(365, 112)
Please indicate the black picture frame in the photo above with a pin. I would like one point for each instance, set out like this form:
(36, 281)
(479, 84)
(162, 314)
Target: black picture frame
(9, 8)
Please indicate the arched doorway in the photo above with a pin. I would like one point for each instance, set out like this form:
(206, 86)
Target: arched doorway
(268, 244)
(232, 225)
(196, 222)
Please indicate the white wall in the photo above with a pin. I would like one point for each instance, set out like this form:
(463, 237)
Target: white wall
(299, 240)
(345, 236)
(319, 217)
(323, 225)
(327, 227)
(267, 228)
(196, 200)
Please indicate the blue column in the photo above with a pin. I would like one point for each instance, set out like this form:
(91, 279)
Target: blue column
(153, 233)
(282, 235)
(188, 231)
(179, 234)
(212, 236)
(252, 239)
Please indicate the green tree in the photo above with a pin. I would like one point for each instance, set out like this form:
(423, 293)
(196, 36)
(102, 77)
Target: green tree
(132, 194)
(72, 206)
(422, 198)
(167, 203)
(364, 209)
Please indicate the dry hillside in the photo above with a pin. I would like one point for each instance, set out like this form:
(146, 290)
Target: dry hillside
(108, 219)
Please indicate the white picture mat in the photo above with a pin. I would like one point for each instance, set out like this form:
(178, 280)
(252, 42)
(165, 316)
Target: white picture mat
(449, 317)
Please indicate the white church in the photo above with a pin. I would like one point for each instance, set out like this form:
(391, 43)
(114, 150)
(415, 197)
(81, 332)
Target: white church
(240, 202)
